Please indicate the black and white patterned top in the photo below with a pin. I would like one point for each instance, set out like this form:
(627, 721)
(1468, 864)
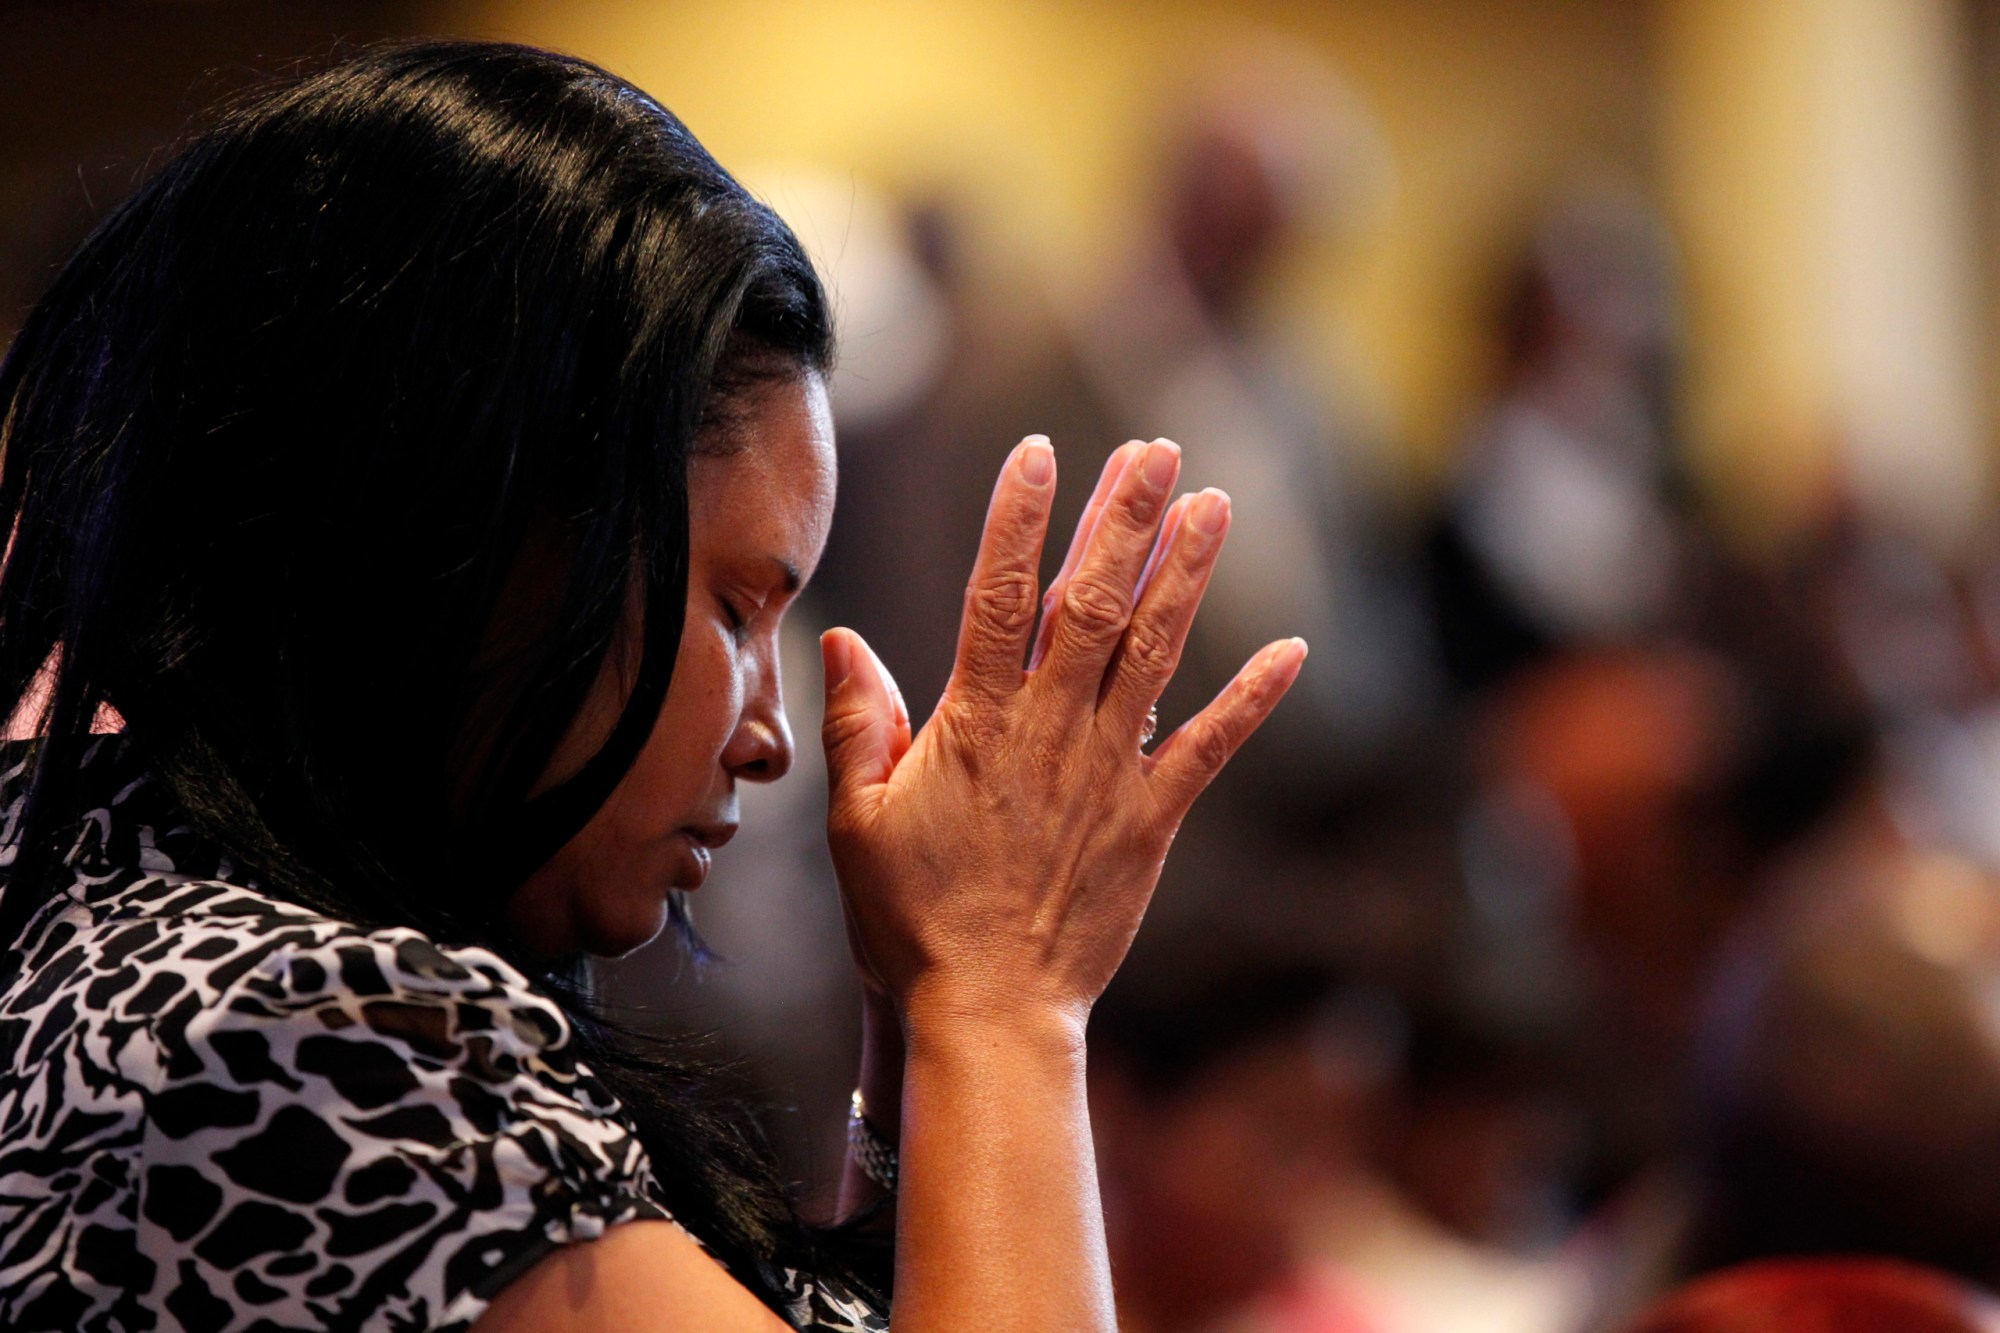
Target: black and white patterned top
(228, 1114)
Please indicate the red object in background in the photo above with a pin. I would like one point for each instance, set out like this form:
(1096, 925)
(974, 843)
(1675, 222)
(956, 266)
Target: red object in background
(1823, 1296)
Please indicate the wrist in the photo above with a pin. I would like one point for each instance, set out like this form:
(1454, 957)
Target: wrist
(940, 1021)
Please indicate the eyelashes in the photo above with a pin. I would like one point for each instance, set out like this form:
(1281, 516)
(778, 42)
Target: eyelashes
(739, 620)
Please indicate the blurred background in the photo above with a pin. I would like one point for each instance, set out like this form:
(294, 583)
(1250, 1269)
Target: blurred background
(1608, 393)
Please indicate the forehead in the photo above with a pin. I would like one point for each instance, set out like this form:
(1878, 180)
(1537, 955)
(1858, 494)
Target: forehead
(771, 487)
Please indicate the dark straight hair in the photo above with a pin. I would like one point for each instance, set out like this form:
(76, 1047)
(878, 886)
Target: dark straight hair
(333, 461)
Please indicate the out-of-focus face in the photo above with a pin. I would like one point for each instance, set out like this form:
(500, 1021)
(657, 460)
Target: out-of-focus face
(760, 500)
(1209, 1189)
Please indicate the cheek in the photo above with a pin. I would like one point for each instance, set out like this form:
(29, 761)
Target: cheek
(676, 776)
(704, 701)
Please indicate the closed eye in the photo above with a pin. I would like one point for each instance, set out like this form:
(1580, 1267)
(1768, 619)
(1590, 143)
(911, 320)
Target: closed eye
(738, 619)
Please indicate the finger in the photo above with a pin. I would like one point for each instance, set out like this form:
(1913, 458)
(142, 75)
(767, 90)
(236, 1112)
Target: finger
(1086, 523)
(1188, 760)
(1169, 534)
(1168, 596)
(859, 730)
(1114, 466)
(902, 730)
(1000, 600)
(1097, 605)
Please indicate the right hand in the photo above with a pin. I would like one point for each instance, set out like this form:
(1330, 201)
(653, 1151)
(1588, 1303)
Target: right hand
(1000, 861)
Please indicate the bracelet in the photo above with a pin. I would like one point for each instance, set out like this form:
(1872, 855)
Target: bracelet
(873, 1153)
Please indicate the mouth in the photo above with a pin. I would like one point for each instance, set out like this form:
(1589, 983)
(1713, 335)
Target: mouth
(710, 836)
(700, 842)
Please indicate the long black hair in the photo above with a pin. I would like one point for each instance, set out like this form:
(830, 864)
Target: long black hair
(289, 433)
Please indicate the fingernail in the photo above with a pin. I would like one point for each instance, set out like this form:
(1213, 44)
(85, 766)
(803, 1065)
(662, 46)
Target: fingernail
(1210, 512)
(1038, 460)
(1162, 462)
(836, 653)
(1121, 458)
(1287, 657)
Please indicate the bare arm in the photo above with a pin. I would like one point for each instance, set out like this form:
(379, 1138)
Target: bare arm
(1000, 1224)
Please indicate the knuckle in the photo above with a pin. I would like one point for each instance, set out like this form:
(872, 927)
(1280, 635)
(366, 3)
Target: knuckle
(1096, 608)
(1150, 649)
(1003, 601)
(839, 728)
(978, 731)
(1142, 508)
(1212, 747)
(968, 722)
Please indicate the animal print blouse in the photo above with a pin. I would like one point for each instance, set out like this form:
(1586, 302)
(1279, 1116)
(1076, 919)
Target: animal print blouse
(224, 1113)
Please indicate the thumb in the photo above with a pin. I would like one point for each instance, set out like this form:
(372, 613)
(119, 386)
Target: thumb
(860, 730)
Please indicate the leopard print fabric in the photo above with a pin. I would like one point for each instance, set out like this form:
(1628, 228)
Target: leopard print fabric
(223, 1113)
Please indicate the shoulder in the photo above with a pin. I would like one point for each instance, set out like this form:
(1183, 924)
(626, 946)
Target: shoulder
(373, 1015)
(388, 1038)
(372, 1127)
(221, 1102)
(438, 1005)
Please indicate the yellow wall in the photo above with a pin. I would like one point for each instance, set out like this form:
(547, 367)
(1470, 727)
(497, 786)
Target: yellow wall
(1737, 118)
(1818, 167)
(1040, 114)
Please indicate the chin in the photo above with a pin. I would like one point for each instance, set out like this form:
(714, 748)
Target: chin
(625, 928)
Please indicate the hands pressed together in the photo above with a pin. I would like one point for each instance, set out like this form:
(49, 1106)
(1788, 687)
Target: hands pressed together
(998, 863)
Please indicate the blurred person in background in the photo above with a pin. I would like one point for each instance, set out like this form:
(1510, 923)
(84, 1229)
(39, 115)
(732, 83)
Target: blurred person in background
(1851, 1077)
(1483, 1136)
(1264, 149)
(1268, 147)
(1920, 634)
(1230, 1093)
(1564, 523)
(1844, 1070)
(1285, 1148)
(1458, 1220)
(1609, 771)
(1635, 803)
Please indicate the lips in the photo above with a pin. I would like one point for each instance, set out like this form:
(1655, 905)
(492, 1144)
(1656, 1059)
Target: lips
(710, 836)
(701, 840)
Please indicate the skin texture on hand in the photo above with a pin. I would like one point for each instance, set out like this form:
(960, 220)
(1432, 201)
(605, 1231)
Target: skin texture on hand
(1002, 859)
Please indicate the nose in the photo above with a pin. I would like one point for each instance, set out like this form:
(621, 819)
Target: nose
(761, 748)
